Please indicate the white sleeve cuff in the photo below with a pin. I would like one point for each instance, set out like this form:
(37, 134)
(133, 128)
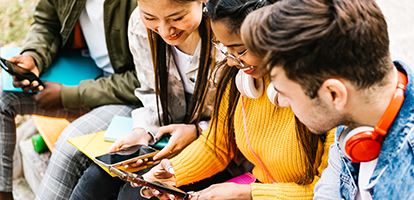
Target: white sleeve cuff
(203, 125)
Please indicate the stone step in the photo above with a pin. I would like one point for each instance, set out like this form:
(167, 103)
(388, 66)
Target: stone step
(34, 164)
(22, 190)
(29, 166)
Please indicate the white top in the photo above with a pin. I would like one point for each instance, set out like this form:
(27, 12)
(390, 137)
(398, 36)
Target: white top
(147, 116)
(183, 60)
(365, 173)
(92, 23)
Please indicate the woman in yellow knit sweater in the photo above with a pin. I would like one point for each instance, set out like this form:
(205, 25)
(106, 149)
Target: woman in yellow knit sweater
(288, 159)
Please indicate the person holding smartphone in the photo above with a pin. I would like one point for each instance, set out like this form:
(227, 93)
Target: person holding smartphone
(288, 158)
(175, 60)
(101, 29)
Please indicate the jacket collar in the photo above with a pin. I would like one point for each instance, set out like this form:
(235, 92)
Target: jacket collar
(396, 136)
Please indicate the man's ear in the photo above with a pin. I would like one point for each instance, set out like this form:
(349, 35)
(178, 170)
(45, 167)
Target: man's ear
(334, 92)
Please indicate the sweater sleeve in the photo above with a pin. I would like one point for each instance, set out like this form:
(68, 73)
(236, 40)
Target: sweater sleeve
(293, 190)
(202, 159)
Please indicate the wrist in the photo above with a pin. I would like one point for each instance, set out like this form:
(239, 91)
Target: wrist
(145, 134)
(198, 130)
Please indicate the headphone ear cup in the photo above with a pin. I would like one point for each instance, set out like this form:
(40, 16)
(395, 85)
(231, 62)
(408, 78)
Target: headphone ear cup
(239, 83)
(271, 93)
(249, 86)
(342, 139)
(361, 144)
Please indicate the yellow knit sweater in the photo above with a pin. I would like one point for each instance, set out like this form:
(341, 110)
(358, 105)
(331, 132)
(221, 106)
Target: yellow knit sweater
(273, 138)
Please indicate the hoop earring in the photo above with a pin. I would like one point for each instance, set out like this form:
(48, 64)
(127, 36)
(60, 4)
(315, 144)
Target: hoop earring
(249, 86)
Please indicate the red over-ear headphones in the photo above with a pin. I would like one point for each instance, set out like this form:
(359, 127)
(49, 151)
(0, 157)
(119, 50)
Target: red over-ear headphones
(364, 143)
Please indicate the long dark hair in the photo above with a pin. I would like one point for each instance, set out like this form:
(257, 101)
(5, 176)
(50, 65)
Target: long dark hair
(233, 13)
(159, 51)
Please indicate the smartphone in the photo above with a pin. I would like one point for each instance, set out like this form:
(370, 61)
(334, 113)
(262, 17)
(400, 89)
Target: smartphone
(161, 142)
(126, 155)
(127, 176)
(10, 68)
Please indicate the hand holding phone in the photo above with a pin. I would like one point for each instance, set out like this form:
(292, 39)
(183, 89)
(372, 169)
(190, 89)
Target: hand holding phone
(161, 190)
(181, 136)
(11, 69)
(125, 156)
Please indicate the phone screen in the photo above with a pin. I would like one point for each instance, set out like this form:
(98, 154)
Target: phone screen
(126, 154)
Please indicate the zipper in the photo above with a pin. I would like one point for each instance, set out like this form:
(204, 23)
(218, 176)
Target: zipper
(67, 16)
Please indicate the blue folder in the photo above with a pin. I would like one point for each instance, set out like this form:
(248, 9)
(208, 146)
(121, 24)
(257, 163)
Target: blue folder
(67, 68)
(118, 127)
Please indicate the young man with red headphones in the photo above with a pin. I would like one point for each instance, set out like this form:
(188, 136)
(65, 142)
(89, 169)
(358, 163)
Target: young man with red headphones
(329, 61)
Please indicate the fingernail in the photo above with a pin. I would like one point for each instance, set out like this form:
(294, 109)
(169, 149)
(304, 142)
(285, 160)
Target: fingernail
(190, 192)
(171, 170)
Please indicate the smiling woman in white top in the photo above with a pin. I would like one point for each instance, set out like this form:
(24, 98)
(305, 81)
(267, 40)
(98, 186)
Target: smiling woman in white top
(174, 59)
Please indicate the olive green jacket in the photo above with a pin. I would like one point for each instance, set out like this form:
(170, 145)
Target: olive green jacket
(53, 30)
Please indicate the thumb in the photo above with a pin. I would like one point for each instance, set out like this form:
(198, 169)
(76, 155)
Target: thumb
(167, 166)
(115, 146)
(14, 59)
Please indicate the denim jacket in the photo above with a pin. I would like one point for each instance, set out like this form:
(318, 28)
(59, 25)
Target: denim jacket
(393, 176)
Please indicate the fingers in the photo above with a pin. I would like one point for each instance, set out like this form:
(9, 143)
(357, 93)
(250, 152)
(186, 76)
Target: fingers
(35, 86)
(118, 144)
(137, 136)
(194, 195)
(138, 163)
(167, 151)
(26, 85)
(167, 166)
(134, 184)
(165, 129)
(20, 83)
(25, 62)
(13, 59)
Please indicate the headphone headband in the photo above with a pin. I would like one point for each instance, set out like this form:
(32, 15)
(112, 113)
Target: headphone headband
(394, 106)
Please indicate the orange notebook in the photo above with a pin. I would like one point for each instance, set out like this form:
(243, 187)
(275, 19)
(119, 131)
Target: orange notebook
(50, 128)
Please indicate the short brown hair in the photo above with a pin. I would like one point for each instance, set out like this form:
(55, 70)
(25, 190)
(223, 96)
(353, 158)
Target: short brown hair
(314, 40)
